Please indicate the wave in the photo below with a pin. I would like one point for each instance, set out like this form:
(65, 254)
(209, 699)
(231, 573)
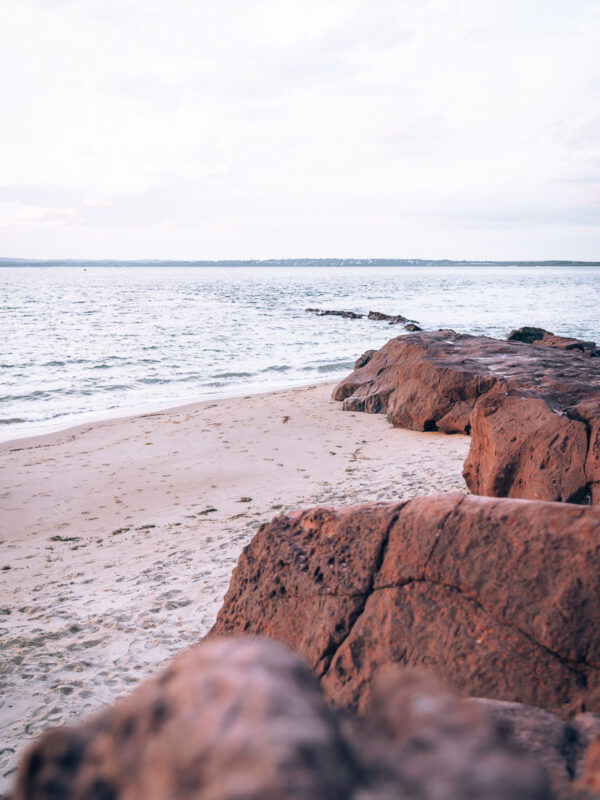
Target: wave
(277, 368)
(233, 375)
(333, 366)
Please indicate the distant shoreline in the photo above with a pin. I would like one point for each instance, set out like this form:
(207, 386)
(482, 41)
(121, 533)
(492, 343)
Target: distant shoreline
(286, 262)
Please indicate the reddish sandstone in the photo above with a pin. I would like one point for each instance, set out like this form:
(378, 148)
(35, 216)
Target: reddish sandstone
(533, 412)
(499, 597)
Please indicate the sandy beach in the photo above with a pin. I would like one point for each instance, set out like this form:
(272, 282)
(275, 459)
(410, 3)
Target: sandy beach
(119, 537)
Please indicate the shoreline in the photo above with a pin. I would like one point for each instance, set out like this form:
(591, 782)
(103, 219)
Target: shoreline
(92, 418)
(120, 536)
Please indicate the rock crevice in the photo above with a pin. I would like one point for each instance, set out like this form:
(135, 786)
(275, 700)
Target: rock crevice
(499, 597)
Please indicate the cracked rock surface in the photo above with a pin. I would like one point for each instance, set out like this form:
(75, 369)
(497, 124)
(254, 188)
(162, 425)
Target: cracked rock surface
(533, 412)
(498, 597)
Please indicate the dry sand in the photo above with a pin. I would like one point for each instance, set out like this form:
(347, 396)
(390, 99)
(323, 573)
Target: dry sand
(118, 538)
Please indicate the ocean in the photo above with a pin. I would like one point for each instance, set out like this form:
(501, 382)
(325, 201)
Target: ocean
(80, 344)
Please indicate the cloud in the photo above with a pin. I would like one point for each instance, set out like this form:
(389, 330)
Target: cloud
(280, 120)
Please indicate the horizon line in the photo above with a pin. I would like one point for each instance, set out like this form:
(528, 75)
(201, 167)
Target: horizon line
(294, 261)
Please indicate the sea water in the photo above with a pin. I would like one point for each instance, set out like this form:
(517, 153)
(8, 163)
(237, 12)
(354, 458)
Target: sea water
(84, 343)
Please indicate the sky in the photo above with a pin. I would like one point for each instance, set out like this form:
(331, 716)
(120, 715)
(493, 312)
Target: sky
(192, 129)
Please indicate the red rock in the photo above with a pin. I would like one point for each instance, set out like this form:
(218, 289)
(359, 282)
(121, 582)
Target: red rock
(559, 746)
(243, 719)
(590, 780)
(230, 720)
(523, 447)
(533, 412)
(499, 597)
(423, 742)
(364, 359)
(542, 337)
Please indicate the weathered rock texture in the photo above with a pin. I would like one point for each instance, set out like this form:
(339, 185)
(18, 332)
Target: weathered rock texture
(559, 746)
(543, 337)
(230, 719)
(364, 359)
(533, 412)
(501, 598)
(243, 719)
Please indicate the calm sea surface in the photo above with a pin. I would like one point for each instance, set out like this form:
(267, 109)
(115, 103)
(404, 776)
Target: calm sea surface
(79, 344)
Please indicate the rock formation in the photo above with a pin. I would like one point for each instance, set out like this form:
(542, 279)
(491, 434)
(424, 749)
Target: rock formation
(392, 319)
(543, 337)
(498, 597)
(243, 719)
(322, 312)
(229, 719)
(562, 748)
(533, 412)
(361, 361)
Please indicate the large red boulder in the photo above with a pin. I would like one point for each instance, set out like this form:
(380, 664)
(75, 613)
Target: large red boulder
(230, 720)
(499, 597)
(243, 719)
(521, 446)
(533, 412)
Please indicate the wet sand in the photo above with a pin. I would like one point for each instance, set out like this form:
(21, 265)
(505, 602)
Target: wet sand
(118, 538)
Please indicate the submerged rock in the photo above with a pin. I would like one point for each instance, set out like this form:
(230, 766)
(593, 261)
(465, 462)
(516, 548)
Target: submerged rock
(498, 597)
(321, 312)
(533, 412)
(393, 319)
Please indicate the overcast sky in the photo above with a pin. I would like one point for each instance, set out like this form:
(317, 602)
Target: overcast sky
(289, 128)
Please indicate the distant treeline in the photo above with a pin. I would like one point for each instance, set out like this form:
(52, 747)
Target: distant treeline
(287, 262)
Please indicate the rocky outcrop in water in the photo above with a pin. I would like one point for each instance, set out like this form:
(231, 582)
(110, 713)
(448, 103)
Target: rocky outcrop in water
(392, 319)
(533, 412)
(543, 337)
(322, 312)
(498, 597)
(244, 719)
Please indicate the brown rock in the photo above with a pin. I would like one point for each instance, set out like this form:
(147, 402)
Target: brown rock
(567, 343)
(525, 447)
(543, 337)
(544, 736)
(393, 319)
(363, 360)
(590, 780)
(232, 719)
(527, 334)
(498, 597)
(533, 412)
(243, 719)
(324, 312)
(422, 742)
